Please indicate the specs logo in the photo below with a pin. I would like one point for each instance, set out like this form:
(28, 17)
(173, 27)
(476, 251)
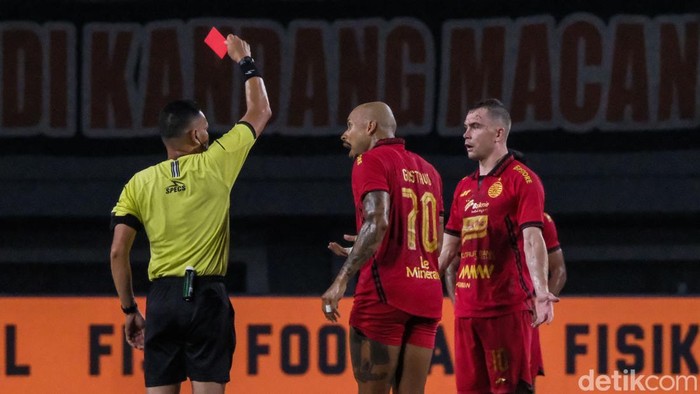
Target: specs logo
(175, 187)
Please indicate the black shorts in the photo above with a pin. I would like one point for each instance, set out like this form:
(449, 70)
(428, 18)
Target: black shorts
(194, 339)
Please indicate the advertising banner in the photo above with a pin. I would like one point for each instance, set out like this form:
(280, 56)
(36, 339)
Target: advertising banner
(580, 72)
(76, 345)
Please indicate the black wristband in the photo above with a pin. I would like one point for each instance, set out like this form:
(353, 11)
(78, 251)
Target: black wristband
(248, 68)
(130, 309)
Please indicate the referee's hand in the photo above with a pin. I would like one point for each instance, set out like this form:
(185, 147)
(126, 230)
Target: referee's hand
(135, 329)
(237, 48)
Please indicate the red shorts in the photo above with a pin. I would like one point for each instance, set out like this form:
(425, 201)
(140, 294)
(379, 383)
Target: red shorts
(536, 354)
(493, 354)
(385, 324)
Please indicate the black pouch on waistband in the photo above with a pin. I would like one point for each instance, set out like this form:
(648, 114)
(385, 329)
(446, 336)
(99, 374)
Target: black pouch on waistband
(188, 284)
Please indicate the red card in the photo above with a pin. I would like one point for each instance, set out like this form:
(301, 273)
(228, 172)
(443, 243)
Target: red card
(216, 42)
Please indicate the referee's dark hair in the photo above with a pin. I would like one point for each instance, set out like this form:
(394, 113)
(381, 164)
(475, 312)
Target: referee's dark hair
(176, 117)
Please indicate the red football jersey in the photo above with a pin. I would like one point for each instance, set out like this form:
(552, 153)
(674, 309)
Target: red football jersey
(489, 213)
(550, 235)
(404, 271)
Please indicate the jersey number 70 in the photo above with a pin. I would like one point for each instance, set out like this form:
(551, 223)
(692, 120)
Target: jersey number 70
(429, 234)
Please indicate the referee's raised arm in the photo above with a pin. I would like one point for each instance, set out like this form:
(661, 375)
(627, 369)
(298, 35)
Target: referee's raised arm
(258, 110)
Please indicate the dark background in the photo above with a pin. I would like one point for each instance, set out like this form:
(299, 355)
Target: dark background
(625, 203)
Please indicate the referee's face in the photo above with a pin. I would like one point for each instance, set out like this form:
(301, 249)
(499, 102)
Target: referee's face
(200, 132)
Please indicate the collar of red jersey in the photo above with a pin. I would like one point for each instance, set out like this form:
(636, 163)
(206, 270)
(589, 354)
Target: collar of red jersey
(499, 167)
(390, 141)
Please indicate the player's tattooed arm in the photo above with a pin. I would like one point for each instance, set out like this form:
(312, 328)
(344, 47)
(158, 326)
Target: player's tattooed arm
(375, 208)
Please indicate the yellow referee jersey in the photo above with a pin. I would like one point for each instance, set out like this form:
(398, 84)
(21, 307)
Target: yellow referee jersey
(184, 206)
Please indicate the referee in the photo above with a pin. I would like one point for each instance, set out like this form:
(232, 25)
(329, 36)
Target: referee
(183, 205)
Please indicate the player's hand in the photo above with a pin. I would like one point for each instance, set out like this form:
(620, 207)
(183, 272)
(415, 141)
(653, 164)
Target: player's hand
(340, 250)
(135, 330)
(237, 48)
(330, 299)
(544, 308)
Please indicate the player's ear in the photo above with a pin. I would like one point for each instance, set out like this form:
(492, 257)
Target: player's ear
(500, 134)
(371, 127)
